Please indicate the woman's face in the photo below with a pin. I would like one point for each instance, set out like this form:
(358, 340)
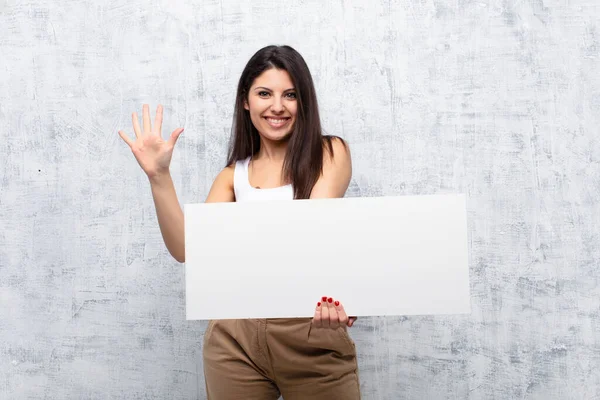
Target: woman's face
(272, 104)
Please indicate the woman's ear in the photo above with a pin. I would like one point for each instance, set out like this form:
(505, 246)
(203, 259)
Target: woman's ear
(246, 105)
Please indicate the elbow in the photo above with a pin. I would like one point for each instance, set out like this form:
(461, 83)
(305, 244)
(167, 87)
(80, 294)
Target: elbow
(179, 257)
(176, 250)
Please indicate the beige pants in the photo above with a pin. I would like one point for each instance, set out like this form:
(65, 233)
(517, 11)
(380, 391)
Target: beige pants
(261, 359)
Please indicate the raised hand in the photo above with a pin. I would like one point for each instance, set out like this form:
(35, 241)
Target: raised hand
(150, 150)
(330, 313)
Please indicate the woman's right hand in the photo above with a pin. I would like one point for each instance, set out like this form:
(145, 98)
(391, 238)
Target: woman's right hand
(150, 150)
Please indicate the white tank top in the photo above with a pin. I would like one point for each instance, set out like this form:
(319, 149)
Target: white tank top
(245, 192)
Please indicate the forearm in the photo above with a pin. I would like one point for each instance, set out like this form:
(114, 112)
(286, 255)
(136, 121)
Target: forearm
(170, 215)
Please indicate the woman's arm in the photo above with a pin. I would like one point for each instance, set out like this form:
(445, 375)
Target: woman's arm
(337, 172)
(333, 183)
(170, 215)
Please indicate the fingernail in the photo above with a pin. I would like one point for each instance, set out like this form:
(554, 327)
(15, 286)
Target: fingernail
(324, 298)
(337, 303)
(319, 304)
(330, 299)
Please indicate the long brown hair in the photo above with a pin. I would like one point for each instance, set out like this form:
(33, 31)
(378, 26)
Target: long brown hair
(303, 162)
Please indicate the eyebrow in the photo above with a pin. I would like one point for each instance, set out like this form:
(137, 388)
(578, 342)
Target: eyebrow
(264, 88)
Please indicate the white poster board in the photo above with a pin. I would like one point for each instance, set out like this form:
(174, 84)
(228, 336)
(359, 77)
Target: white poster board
(398, 255)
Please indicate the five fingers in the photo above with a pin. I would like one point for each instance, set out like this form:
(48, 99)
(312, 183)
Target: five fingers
(147, 127)
(330, 313)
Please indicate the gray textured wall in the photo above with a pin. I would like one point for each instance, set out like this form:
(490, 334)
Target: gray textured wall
(499, 100)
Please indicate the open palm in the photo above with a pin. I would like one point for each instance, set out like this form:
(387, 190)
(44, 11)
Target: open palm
(151, 151)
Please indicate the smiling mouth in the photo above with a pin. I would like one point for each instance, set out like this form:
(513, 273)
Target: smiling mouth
(277, 122)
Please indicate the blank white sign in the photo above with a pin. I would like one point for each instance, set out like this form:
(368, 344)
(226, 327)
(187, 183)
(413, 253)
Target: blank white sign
(399, 255)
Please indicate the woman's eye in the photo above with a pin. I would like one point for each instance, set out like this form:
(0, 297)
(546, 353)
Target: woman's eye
(262, 94)
(291, 95)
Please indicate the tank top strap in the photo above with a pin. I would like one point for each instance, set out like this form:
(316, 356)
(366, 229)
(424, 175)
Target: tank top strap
(240, 178)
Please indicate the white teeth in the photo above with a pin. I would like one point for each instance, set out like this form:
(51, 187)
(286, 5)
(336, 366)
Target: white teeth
(277, 122)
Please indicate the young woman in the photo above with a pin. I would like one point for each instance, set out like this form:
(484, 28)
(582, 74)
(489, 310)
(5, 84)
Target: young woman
(278, 151)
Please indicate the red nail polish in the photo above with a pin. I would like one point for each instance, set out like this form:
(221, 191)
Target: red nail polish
(337, 303)
(319, 304)
(324, 298)
(330, 299)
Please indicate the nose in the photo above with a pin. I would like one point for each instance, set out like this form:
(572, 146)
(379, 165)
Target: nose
(277, 105)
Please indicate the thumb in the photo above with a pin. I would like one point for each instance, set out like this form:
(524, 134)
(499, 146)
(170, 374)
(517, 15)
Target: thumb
(175, 135)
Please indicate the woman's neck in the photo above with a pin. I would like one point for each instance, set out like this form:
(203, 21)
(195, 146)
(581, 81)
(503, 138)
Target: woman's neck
(272, 151)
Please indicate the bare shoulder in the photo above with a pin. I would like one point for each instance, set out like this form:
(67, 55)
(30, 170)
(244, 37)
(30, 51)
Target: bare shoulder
(337, 153)
(337, 170)
(221, 190)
